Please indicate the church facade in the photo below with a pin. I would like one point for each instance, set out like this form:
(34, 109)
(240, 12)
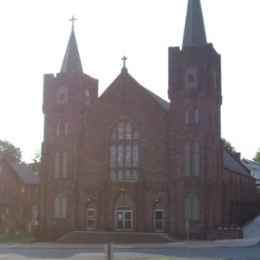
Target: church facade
(129, 161)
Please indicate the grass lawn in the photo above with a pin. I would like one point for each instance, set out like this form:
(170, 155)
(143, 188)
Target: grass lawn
(17, 238)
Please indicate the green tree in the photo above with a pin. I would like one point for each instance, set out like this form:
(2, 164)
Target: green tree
(228, 145)
(8, 149)
(257, 156)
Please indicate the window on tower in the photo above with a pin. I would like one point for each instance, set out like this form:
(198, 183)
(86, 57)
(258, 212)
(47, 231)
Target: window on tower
(124, 152)
(62, 95)
(191, 77)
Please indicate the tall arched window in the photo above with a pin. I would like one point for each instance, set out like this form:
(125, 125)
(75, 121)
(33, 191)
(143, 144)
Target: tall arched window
(87, 97)
(124, 152)
(60, 207)
(196, 159)
(57, 165)
(192, 208)
(196, 116)
(64, 164)
(187, 117)
(186, 159)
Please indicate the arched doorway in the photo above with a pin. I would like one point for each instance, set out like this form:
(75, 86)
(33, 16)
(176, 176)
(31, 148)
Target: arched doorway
(123, 213)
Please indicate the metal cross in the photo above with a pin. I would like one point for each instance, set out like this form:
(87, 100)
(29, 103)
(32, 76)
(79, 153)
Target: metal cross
(124, 60)
(72, 20)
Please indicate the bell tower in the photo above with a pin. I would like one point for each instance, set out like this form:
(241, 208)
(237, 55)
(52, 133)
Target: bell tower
(67, 96)
(196, 150)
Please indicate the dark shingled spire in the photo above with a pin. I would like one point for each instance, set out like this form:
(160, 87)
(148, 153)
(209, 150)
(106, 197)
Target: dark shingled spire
(194, 33)
(71, 61)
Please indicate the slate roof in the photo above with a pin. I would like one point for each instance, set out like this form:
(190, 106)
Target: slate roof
(25, 174)
(230, 162)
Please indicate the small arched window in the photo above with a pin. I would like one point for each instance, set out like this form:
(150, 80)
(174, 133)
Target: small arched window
(62, 95)
(124, 152)
(191, 77)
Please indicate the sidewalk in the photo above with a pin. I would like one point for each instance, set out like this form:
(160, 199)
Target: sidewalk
(251, 238)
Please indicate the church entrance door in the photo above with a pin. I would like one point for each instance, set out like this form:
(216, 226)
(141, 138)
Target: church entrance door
(124, 219)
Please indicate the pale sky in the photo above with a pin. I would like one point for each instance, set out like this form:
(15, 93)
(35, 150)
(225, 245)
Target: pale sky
(35, 35)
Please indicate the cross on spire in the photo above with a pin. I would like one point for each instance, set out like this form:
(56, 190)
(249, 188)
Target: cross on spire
(124, 61)
(72, 20)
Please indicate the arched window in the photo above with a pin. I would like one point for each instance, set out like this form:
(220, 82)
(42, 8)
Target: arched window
(186, 159)
(187, 117)
(191, 78)
(66, 128)
(64, 164)
(87, 97)
(191, 159)
(91, 216)
(57, 165)
(196, 159)
(158, 216)
(124, 212)
(196, 117)
(58, 129)
(124, 152)
(62, 95)
(60, 207)
(192, 208)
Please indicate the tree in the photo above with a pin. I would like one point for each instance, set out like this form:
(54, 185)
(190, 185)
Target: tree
(257, 156)
(8, 149)
(228, 145)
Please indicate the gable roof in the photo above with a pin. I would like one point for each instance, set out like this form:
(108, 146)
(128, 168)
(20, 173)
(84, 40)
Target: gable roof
(25, 174)
(125, 79)
(231, 163)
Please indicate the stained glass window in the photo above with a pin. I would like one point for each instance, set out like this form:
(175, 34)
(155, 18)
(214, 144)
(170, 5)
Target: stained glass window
(124, 152)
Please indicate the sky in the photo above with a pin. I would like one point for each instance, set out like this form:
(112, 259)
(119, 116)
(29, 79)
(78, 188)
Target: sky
(35, 36)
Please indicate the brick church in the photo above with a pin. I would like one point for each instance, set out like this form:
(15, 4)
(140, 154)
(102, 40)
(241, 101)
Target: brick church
(130, 162)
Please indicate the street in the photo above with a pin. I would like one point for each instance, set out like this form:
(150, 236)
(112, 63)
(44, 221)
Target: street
(241, 253)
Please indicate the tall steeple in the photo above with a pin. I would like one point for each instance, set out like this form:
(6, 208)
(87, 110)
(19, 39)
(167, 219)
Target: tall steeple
(71, 61)
(194, 32)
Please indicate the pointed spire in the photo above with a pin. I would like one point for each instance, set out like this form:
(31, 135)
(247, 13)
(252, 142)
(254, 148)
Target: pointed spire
(194, 32)
(71, 61)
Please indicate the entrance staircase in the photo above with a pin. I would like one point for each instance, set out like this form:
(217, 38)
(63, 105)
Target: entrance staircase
(96, 237)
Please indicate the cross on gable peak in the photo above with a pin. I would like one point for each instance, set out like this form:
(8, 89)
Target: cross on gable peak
(72, 20)
(124, 61)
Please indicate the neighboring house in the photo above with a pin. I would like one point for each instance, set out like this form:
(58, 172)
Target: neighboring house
(254, 168)
(129, 161)
(19, 191)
